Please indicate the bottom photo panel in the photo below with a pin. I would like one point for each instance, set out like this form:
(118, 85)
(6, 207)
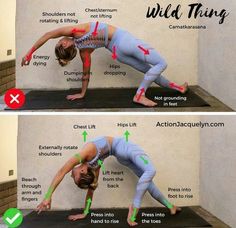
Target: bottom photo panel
(117, 171)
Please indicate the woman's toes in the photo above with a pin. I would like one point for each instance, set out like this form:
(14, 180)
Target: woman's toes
(184, 87)
(174, 210)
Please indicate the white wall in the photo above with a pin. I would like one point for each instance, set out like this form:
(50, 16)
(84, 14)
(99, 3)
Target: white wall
(178, 47)
(217, 54)
(8, 147)
(176, 161)
(218, 169)
(7, 29)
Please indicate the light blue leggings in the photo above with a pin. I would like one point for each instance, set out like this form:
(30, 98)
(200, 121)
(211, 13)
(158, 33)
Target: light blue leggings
(128, 52)
(132, 156)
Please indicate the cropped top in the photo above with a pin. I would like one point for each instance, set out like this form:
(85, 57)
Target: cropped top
(97, 37)
(103, 151)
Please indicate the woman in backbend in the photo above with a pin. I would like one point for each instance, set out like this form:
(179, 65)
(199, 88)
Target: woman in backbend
(85, 167)
(124, 46)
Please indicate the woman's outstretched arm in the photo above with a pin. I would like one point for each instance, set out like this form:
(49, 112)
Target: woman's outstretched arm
(64, 31)
(66, 168)
(46, 203)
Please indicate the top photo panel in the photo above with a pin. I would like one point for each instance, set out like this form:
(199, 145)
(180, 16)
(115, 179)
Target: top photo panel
(120, 56)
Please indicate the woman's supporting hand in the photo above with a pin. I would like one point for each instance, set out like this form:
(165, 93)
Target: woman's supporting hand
(77, 217)
(75, 96)
(45, 205)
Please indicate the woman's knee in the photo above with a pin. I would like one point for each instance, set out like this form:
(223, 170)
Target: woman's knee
(151, 172)
(156, 70)
(163, 64)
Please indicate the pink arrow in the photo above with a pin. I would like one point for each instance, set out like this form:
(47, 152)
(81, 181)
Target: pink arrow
(145, 51)
(29, 55)
(142, 92)
(175, 86)
(87, 61)
(94, 33)
(114, 56)
(75, 30)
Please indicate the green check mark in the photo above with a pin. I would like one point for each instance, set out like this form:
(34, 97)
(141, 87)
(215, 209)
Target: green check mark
(13, 217)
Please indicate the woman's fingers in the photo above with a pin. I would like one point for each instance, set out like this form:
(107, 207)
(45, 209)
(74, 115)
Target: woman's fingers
(25, 62)
(71, 217)
(70, 97)
(38, 207)
(42, 207)
(39, 210)
(76, 217)
(74, 97)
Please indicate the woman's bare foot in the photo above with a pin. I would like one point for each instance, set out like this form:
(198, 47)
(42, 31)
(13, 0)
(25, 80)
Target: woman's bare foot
(184, 88)
(174, 210)
(144, 101)
(76, 217)
(129, 218)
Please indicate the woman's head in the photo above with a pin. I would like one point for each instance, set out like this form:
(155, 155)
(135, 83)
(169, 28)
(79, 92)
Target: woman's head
(65, 51)
(84, 177)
